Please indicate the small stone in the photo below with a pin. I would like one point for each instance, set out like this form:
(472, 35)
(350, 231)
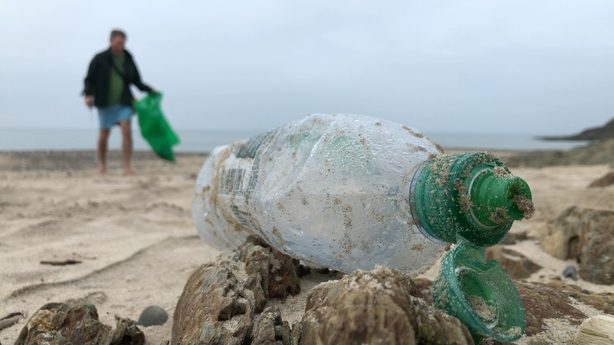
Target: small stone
(509, 239)
(424, 285)
(570, 271)
(512, 238)
(303, 270)
(153, 316)
(296, 333)
(270, 327)
(10, 320)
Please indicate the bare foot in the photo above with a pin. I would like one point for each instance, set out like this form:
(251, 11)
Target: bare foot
(128, 171)
(102, 170)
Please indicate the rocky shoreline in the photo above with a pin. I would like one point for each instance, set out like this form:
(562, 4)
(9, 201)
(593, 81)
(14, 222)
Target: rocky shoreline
(592, 154)
(604, 132)
(241, 299)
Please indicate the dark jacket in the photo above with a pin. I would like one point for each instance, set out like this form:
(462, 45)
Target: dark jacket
(97, 81)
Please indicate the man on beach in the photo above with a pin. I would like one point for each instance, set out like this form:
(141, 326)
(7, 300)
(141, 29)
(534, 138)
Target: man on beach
(107, 87)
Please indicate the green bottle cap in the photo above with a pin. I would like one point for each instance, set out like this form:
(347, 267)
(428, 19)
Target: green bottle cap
(479, 294)
(497, 196)
(472, 195)
(472, 199)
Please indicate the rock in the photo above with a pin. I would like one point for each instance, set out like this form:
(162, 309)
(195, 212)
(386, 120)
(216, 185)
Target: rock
(604, 181)
(219, 306)
(550, 301)
(222, 300)
(596, 153)
(270, 273)
(489, 341)
(296, 333)
(263, 332)
(511, 238)
(570, 271)
(561, 237)
(516, 265)
(595, 133)
(269, 328)
(598, 329)
(597, 248)
(61, 324)
(600, 301)
(10, 320)
(542, 302)
(153, 316)
(95, 298)
(587, 236)
(424, 286)
(380, 306)
(213, 308)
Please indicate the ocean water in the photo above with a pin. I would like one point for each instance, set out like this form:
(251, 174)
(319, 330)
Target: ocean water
(205, 140)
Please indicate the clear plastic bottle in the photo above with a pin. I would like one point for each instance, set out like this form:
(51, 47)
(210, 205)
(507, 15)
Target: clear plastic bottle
(351, 192)
(329, 189)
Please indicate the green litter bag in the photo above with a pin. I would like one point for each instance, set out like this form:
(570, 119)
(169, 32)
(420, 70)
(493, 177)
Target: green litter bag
(154, 127)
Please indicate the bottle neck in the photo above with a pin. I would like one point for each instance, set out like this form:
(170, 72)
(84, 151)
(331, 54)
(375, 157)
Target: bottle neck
(497, 196)
(471, 195)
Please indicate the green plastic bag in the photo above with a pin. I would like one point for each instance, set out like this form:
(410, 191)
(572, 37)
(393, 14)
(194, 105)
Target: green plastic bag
(154, 127)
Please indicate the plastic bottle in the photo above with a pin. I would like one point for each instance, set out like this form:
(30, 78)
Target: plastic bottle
(351, 192)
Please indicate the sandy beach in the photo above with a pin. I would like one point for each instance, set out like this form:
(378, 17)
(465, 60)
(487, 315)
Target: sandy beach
(135, 242)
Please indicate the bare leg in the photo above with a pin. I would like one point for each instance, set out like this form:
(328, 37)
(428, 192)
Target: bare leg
(103, 141)
(126, 146)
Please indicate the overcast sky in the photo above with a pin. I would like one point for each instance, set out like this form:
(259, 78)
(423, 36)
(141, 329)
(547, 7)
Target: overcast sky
(523, 66)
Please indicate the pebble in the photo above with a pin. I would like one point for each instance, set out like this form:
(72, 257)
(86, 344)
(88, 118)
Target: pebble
(513, 238)
(10, 320)
(570, 271)
(509, 239)
(153, 316)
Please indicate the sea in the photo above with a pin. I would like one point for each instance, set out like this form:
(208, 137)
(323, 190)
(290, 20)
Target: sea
(201, 141)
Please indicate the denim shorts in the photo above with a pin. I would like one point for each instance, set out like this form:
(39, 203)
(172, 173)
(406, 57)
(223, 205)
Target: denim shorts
(111, 115)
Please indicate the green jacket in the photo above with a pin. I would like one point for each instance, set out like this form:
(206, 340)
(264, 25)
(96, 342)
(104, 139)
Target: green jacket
(97, 81)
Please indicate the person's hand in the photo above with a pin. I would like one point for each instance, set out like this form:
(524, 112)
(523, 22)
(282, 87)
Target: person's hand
(89, 101)
(154, 91)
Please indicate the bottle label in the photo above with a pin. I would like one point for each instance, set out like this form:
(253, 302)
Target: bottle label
(238, 176)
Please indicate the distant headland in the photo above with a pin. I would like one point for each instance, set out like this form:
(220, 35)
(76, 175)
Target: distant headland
(591, 134)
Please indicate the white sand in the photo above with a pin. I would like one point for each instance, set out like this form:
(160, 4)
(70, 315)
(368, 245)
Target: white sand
(138, 246)
(134, 236)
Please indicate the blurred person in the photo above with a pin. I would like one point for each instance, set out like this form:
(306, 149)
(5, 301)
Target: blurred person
(107, 87)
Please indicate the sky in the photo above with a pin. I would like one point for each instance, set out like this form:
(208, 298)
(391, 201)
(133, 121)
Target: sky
(523, 66)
